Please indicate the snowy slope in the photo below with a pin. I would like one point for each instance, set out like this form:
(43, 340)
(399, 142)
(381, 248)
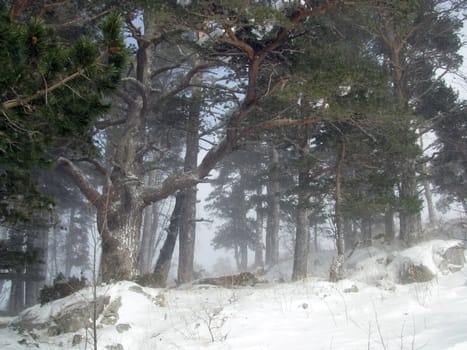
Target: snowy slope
(311, 314)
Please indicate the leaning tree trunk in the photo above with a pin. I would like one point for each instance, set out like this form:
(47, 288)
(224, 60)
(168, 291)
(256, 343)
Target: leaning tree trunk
(273, 212)
(337, 271)
(161, 271)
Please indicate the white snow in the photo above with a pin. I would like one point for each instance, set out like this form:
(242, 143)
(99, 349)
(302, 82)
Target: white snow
(312, 314)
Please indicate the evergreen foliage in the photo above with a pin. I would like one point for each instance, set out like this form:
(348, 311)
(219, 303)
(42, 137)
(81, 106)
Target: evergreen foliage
(51, 93)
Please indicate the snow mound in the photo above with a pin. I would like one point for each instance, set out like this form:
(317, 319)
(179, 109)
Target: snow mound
(352, 314)
(382, 265)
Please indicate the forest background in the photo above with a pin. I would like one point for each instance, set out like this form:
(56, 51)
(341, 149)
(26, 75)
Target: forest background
(311, 113)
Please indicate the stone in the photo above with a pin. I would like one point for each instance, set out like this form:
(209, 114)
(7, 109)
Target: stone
(352, 289)
(410, 272)
(77, 339)
(110, 314)
(114, 347)
(454, 257)
(159, 300)
(79, 316)
(122, 327)
(53, 331)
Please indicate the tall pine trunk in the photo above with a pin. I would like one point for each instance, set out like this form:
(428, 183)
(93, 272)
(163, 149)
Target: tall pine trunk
(187, 234)
(259, 246)
(409, 215)
(302, 235)
(149, 231)
(273, 212)
(337, 267)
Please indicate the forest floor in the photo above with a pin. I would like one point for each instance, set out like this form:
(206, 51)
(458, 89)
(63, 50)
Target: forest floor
(369, 310)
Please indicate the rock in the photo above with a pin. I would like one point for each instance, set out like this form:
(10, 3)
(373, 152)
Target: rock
(159, 300)
(353, 289)
(110, 314)
(337, 270)
(122, 327)
(241, 279)
(114, 347)
(78, 316)
(77, 339)
(53, 331)
(409, 272)
(454, 257)
(72, 318)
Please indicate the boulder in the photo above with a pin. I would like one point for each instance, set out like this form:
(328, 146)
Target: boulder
(79, 316)
(77, 339)
(409, 272)
(110, 314)
(454, 258)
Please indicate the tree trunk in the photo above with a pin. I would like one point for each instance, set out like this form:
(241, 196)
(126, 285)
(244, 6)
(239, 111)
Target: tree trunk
(302, 236)
(366, 231)
(237, 257)
(272, 225)
(259, 246)
(161, 271)
(349, 234)
(69, 244)
(149, 231)
(389, 231)
(17, 296)
(243, 256)
(187, 237)
(337, 267)
(428, 193)
(120, 229)
(409, 215)
(188, 218)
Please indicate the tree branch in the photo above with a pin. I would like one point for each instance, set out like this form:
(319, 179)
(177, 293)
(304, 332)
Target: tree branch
(80, 180)
(22, 101)
(276, 123)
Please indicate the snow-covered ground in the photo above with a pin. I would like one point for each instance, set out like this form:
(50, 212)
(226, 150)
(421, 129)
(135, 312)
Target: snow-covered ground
(367, 311)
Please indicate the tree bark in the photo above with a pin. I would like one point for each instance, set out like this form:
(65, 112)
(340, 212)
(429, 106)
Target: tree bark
(337, 271)
(302, 235)
(243, 256)
(119, 226)
(389, 231)
(259, 245)
(149, 231)
(409, 218)
(188, 218)
(161, 271)
(428, 193)
(273, 213)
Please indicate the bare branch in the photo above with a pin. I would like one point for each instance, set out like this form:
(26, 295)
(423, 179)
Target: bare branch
(98, 166)
(80, 180)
